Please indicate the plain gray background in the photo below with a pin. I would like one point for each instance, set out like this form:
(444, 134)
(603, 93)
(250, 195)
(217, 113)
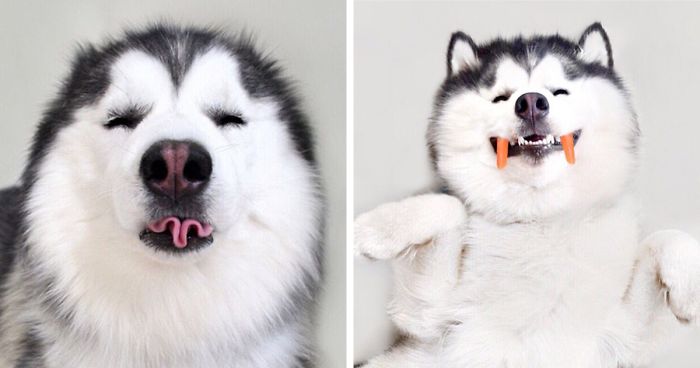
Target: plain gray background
(38, 38)
(400, 61)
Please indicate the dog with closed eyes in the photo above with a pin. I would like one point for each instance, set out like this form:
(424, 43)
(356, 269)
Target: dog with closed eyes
(532, 256)
(169, 214)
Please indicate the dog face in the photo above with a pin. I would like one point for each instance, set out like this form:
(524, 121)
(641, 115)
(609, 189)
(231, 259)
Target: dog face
(171, 197)
(529, 96)
(165, 140)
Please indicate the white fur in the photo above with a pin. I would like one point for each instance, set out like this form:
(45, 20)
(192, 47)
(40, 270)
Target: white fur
(593, 105)
(463, 56)
(543, 267)
(147, 309)
(594, 49)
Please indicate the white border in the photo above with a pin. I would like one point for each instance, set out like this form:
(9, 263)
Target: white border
(349, 182)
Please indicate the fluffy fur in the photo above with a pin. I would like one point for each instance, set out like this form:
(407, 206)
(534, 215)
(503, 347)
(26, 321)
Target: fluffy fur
(80, 289)
(539, 264)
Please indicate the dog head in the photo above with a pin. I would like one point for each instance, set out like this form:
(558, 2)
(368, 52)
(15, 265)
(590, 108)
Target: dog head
(165, 140)
(524, 97)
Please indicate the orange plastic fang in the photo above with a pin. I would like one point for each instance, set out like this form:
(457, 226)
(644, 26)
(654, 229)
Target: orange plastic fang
(567, 144)
(501, 152)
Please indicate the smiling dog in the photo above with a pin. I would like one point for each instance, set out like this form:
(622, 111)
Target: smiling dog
(533, 257)
(169, 215)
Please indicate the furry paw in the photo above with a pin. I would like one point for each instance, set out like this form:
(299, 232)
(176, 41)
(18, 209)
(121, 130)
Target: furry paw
(389, 229)
(677, 256)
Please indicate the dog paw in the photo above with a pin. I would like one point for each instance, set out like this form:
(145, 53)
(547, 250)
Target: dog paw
(374, 237)
(677, 256)
(391, 228)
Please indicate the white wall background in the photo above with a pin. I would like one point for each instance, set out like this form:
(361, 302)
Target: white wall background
(400, 61)
(37, 38)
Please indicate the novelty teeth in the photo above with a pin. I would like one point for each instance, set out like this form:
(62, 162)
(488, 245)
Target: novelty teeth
(501, 152)
(566, 141)
(567, 144)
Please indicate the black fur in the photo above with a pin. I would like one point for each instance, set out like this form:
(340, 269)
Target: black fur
(30, 356)
(520, 49)
(10, 224)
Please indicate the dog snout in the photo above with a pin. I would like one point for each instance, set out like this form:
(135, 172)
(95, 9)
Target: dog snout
(176, 169)
(531, 107)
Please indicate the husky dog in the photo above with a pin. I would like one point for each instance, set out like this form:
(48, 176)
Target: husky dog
(533, 257)
(169, 215)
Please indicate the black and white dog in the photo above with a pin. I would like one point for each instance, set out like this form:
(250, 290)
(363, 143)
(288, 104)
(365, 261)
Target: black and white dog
(169, 215)
(534, 257)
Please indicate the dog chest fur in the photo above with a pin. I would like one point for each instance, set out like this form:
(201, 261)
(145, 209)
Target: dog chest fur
(530, 289)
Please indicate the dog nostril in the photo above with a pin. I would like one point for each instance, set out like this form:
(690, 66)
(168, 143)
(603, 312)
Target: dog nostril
(542, 104)
(158, 170)
(198, 166)
(520, 105)
(194, 172)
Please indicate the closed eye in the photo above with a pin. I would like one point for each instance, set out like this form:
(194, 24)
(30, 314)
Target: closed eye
(230, 119)
(128, 122)
(500, 98)
(127, 118)
(560, 92)
(226, 118)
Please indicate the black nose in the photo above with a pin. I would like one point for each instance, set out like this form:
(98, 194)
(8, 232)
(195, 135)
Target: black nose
(531, 107)
(176, 169)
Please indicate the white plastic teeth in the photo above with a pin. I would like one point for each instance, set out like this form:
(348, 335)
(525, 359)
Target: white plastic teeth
(549, 139)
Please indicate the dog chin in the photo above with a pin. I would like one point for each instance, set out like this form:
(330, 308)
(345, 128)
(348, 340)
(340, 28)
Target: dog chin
(525, 192)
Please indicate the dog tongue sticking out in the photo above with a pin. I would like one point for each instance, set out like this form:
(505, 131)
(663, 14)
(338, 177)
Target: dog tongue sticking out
(567, 145)
(179, 229)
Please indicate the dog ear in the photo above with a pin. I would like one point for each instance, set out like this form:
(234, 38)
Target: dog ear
(595, 46)
(461, 54)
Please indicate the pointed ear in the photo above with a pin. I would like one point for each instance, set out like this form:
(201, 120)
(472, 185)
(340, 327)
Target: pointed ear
(461, 54)
(595, 46)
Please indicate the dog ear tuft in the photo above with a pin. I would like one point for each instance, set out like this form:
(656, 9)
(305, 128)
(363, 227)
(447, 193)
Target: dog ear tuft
(461, 54)
(595, 46)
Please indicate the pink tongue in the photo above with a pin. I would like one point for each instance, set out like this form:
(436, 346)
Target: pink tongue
(179, 229)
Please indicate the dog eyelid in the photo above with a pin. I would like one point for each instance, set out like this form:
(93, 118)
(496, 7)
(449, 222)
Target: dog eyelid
(501, 98)
(122, 122)
(223, 117)
(128, 117)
